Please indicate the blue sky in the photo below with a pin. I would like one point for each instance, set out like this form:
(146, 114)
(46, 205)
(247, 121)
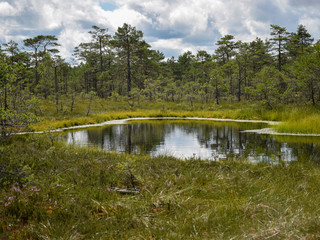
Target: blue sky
(171, 26)
(108, 6)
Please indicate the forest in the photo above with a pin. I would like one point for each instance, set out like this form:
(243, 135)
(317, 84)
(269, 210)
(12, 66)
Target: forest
(281, 70)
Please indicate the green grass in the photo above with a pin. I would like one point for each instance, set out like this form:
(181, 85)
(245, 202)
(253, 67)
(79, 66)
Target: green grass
(65, 194)
(103, 110)
(295, 118)
(307, 123)
(49, 190)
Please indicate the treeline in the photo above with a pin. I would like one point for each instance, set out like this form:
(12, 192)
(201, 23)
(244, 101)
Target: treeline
(283, 69)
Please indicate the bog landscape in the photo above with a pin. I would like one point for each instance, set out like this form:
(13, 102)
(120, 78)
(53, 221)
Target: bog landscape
(128, 144)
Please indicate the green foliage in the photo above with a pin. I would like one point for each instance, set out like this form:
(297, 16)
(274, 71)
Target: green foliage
(279, 40)
(16, 104)
(269, 84)
(307, 70)
(116, 66)
(46, 72)
(226, 47)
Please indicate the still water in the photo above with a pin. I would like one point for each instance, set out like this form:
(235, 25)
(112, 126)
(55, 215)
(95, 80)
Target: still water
(196, 139)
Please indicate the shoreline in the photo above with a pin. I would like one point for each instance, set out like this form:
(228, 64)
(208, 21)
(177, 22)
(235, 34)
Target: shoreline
(270, 131)
(266, 131)
(126, 120)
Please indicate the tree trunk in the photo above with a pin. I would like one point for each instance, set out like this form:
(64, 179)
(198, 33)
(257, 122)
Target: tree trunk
(72, 103)
(217, 93)
(312, 95)
(36, 67)
(129, 73)
(100, 52)
(56, 87)
(91, 97)
(239, 89)
(279, 55)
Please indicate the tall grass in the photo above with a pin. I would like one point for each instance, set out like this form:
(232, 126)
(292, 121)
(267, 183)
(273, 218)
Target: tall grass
(103, 110)
(307, 123)
(295, 119)
(54, 191)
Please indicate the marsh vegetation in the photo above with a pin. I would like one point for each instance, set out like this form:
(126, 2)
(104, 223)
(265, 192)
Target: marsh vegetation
(52, 190)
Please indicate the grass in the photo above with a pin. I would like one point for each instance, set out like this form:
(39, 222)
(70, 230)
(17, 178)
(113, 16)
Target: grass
(307, 123)
(53, 191)
(49, 190)
(296, 119)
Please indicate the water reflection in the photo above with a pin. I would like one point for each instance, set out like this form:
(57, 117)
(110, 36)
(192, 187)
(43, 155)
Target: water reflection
(185, 139)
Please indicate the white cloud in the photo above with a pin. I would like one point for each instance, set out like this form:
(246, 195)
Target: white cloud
(173, 25)
(178, 46)
(6, 9)
(312, 24)
(198, 16)
(283, 5)
(175, 44)
(69, 38)
(69, 20)
(123, 15)
(188, 20)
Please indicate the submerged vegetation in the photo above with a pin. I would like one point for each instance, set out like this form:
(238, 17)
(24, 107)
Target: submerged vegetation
(53, 191)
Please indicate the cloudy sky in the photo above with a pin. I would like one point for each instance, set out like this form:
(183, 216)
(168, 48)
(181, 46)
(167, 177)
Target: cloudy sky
(171, 26)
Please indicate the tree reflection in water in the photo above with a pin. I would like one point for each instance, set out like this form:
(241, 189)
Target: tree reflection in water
(199, 139)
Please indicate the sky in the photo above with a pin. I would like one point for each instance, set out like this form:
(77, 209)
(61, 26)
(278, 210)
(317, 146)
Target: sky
(171, 26)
